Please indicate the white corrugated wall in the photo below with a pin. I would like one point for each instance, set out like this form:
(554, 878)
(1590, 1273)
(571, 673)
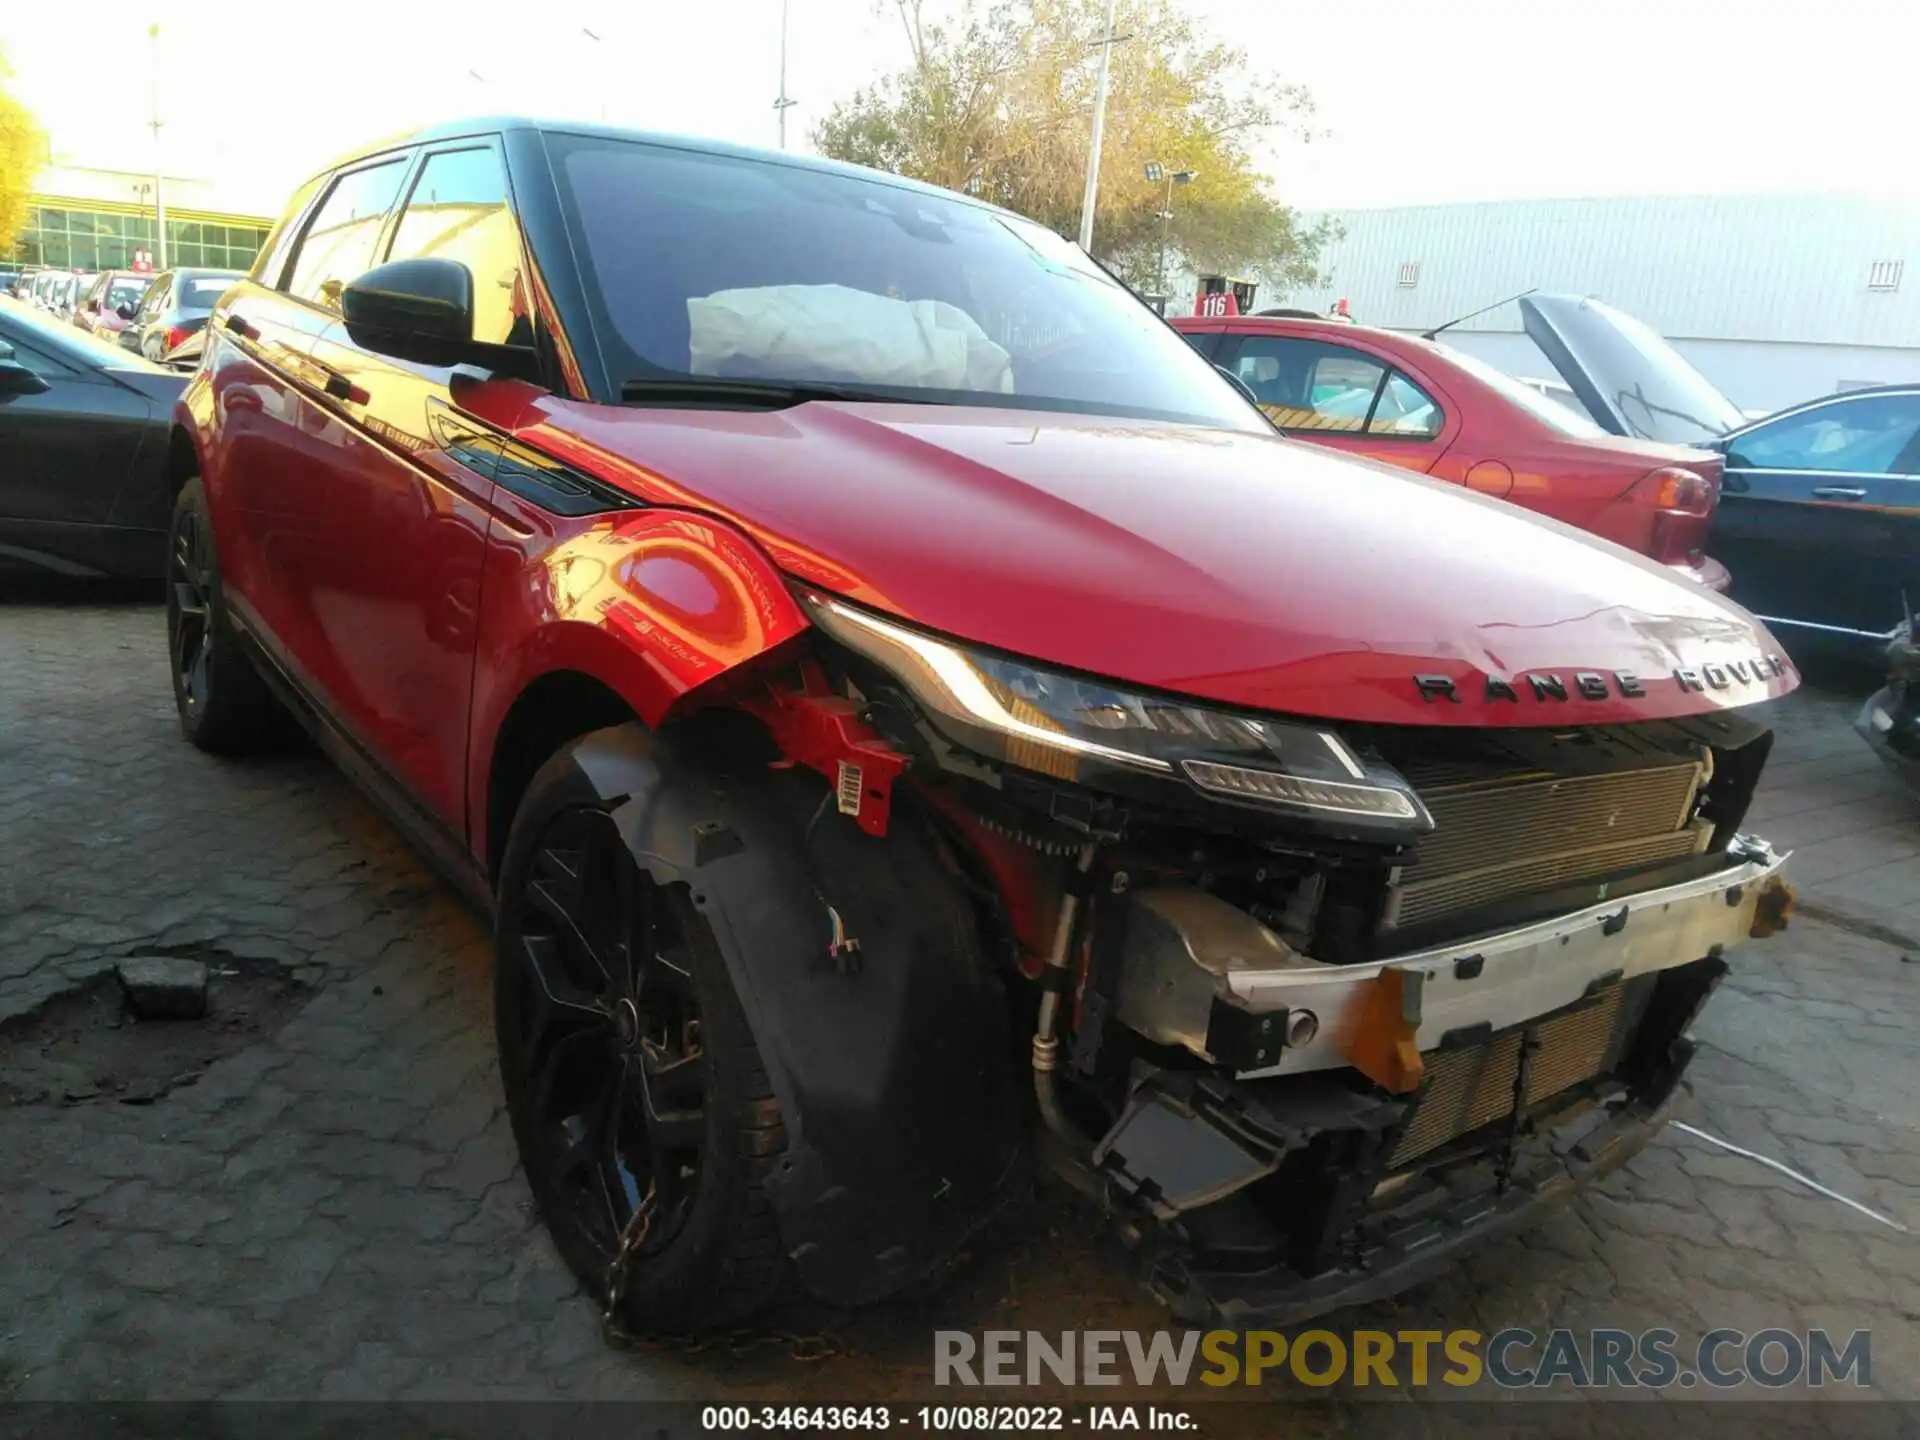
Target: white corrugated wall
(1782, 268)
(1743, 275)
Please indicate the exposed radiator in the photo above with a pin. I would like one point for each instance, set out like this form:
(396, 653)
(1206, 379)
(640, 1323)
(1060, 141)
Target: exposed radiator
(1518, 834)
(1476, 1085)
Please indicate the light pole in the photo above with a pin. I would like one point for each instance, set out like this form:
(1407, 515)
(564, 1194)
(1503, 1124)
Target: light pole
(1156, 172)
(1087, 196)
(782, 102)
(159, 205)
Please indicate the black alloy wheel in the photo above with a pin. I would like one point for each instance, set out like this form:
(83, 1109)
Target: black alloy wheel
(644, 1115)
(190, 610)
(608, 1040)
(641, 1116)
(225, 707)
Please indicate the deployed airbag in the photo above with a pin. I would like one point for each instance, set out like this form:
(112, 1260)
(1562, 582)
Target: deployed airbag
(834, 332)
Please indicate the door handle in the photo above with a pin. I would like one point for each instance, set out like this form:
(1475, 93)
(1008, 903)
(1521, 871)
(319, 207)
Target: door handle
(1839, 492)
(336, 385)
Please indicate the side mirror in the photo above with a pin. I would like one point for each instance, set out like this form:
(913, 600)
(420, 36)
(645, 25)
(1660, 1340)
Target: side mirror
(1245, 389)
(422, 310)
(15, 378)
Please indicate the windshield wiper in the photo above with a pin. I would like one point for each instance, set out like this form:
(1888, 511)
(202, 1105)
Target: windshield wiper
(703, 392)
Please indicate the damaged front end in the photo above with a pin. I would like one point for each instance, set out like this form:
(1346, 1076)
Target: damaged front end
(1367, 1122)
(1313, 1008)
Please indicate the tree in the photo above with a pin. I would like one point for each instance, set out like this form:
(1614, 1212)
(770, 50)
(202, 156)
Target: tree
(997, 99)
(22, 150)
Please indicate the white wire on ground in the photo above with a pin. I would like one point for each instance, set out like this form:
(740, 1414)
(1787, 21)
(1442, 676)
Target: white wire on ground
(1792, 1174)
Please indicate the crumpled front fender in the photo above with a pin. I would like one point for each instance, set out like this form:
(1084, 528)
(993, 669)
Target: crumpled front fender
(882, 1025)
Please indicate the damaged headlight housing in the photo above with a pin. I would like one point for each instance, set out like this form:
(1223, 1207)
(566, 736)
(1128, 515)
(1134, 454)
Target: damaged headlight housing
(1073, 728)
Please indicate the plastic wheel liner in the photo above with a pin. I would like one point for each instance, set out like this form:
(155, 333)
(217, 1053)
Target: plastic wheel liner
(883, 1029)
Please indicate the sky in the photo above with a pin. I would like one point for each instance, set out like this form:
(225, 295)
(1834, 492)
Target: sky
(1418, 101)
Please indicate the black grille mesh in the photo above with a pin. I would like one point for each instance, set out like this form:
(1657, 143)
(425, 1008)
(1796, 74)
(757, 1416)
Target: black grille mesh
(1475, 1085)
(1522, 834)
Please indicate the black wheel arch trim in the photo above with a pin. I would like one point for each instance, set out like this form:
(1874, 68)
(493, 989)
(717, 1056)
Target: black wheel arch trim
(892, 1062)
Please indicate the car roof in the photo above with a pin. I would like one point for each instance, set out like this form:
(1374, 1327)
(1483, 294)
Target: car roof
(503, 124)
(1292, 322)
(1816, 402)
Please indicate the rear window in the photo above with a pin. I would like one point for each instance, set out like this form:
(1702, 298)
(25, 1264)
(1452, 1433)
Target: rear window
(1552, 412)
(205, 293)
(126, 292)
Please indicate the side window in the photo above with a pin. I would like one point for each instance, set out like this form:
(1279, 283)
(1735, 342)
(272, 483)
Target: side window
(458, 211)
(1308, 385)
(1206, 343)
(1405, 410)
(271, 263)
(338, 244)
(1874, 435)
(1314, 385)
(156, 298)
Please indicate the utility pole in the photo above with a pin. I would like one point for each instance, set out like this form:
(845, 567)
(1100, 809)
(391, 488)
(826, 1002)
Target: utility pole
(782, 102)
(1087, 197)
(1157, 172)
(159, 205)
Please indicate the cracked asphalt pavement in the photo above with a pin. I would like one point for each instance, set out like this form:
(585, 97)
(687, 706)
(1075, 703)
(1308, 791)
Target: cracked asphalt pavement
(334, 1209)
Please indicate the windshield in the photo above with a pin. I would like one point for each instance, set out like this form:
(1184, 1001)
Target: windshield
(714, 265)
(1541, 407)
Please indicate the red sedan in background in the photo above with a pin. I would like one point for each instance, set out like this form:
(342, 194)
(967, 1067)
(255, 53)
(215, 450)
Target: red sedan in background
(1425, 406)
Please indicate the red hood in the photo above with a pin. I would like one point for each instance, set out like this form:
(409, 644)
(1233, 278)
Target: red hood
(1241, 568)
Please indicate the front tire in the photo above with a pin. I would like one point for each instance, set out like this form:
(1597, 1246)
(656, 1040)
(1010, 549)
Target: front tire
(632, 1078)
(225, 707)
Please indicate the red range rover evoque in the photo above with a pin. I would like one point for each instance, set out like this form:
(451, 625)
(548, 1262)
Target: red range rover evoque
(909, 718)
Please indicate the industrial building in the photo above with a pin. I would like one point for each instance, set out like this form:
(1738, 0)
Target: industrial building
(85, 218)
(1774, 298)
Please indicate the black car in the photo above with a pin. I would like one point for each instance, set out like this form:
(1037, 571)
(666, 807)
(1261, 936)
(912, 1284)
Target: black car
(175, 306)
(1819, 516)
(1819, 512)
(83, 450)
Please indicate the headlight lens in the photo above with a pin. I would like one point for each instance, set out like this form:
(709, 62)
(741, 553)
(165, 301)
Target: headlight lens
(1072, 728)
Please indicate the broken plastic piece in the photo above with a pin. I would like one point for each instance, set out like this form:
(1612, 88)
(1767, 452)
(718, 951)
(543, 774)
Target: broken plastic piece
(1383, 1047)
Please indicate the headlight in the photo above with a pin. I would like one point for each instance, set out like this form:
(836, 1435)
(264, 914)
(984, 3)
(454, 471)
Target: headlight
(1074, 729)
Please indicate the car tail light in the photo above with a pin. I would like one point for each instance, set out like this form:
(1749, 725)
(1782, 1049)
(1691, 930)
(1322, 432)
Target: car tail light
(1674, 491)
(1681, 500)
(176, 335)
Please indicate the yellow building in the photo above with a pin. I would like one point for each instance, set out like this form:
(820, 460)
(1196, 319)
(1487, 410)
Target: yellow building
(92, 219)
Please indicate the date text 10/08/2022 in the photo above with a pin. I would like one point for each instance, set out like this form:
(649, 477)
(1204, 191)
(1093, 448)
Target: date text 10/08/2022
(944, 1419)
